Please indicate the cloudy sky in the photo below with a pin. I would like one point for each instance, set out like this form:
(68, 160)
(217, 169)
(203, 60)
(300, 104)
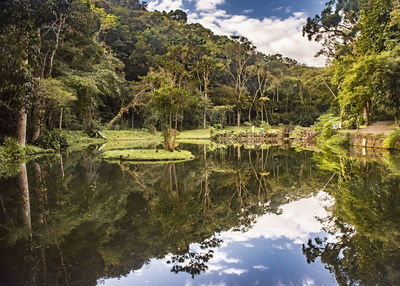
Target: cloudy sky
(274, 26)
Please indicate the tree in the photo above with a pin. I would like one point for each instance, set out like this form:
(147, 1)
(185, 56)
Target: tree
(335, 27)
(167, 100)
(205, 64)
(55, 96)
(239, 52)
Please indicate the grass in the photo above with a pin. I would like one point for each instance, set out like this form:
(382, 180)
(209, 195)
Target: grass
(33, 150)
(80, 137)
(129, 135)
(194, 134)
(147, 155)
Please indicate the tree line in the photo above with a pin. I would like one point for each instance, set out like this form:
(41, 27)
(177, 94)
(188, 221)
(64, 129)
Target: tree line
(89, 64)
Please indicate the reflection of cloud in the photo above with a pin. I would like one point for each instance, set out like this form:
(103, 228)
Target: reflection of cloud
(234, 271)
(297, 222)
(220, 256)
(308, 282)
(214, 284)
(249, 245)
(260, 267)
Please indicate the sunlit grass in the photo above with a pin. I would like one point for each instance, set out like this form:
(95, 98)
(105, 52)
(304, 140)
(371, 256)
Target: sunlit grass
(127, 135)
(147, 155)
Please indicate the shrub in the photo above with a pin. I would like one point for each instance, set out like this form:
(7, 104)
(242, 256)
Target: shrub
(212, 131)
(11, 157)
(51, 140)
(266, 127)
(325, 125)
(392, 140)
(218, 126)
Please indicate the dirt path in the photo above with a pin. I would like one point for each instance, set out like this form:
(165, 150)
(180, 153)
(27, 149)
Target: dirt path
(380, 127)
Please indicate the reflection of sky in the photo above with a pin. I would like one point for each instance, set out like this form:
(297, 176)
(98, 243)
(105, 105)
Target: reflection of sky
(268, 254)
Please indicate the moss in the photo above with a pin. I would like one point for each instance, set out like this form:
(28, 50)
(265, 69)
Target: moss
(147, 155)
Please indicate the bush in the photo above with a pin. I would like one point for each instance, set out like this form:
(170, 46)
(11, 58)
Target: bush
(218, 126)
(51, 140)
(11, 157)
(266, 127)
(392, 140)
(325, 125)
(212, 131)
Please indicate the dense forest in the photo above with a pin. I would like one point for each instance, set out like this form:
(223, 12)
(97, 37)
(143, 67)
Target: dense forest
(92, 64)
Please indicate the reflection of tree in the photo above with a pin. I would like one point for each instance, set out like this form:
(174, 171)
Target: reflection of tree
(194, 262)
(91, 219)
(365, 218)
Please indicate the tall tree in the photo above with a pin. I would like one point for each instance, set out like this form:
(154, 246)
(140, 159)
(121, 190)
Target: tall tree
(239, 53)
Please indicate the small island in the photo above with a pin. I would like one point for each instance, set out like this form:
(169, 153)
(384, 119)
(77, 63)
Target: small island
(148, 155)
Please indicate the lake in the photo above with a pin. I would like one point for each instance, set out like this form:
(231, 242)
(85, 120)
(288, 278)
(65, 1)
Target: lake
(233, 216)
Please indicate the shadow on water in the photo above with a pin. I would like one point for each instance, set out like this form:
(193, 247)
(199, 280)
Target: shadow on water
(72, 219)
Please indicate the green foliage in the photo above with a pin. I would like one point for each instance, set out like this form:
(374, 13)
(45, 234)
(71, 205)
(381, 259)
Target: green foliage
(267, 128)
(392, 140)
(325, 124)
(51, 139)
(12, 156)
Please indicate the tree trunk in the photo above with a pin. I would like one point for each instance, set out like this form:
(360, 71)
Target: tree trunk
(24, 189)
(176, 129)
(366, 114)
(21, 126)
(133, 118)
(262, 114)
(60, 24)
(36, 119)
(61, 117)
(205, 108)
(238, 118)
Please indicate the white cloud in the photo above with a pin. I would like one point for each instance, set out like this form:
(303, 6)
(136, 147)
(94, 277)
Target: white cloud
(269, 35)
(165, 5)
(207, 5)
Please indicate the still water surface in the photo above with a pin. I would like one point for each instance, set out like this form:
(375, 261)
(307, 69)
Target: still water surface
(232, 216)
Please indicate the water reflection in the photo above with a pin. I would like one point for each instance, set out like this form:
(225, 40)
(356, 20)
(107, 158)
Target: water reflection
(365, 219)
(234, 215)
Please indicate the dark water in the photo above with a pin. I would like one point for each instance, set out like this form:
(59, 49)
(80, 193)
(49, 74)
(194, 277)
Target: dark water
(233, 216)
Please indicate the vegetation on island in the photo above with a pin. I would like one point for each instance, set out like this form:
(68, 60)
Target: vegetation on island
(147, 155)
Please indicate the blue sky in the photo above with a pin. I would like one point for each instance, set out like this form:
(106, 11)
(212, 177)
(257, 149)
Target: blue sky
(273, 26)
